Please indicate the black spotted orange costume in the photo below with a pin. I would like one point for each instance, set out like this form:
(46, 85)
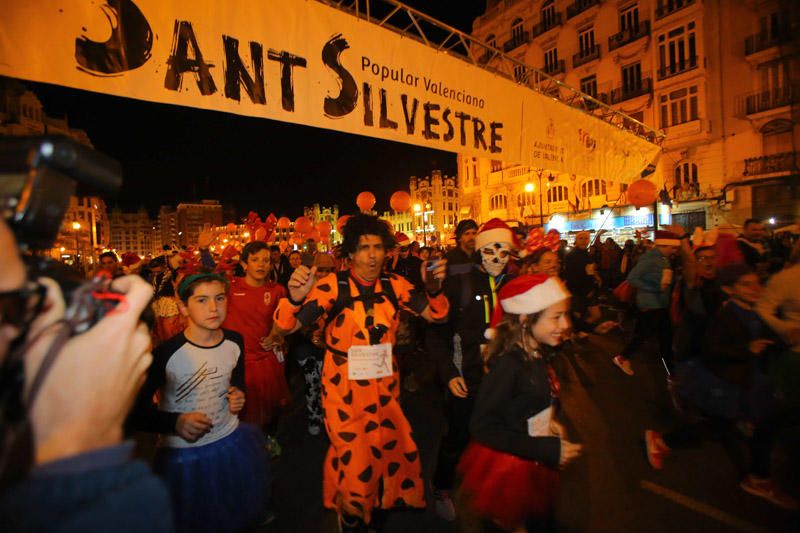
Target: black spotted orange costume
(373, 461)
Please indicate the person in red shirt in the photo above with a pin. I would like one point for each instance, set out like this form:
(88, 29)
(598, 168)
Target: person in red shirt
(252, 302)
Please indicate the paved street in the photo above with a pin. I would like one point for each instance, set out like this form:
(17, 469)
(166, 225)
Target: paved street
(612, 488)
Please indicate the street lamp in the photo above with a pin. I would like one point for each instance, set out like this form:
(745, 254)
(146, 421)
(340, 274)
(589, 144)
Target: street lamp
(539, 174)
(76, 226)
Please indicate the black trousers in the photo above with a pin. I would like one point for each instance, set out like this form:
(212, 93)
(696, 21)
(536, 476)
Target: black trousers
(652, 323)
(457, 411)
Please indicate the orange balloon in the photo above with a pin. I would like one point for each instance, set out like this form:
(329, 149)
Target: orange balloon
(341, 222)
(303, 225)
(283, 245)
(231, 226)
(284, 223)
(324, 228)
(261, 233)
(642, 193)
(400, 201)
(365, 201)
(314, 235)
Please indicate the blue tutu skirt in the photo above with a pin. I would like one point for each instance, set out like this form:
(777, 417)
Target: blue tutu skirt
(219, 487)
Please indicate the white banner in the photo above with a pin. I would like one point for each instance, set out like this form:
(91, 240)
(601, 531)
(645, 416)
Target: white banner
(303, 62)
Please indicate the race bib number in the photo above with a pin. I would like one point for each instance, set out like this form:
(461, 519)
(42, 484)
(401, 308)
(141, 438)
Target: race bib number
(369, 362)
(539, 424)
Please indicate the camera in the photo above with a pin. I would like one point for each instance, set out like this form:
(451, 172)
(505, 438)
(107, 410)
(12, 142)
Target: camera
(38, 175)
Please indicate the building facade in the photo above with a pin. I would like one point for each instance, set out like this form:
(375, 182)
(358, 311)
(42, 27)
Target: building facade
(191, 218)
(435, 200)
(719, 77)
(84, 232)
(134, 232)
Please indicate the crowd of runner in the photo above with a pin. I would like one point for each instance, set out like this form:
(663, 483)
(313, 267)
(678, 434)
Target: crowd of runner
(491, 315)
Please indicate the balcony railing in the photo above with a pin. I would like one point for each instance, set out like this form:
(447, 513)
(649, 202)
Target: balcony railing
(629, 35)
(548, 24)
(762, 41)
(584, 57)
(580, 6)
(555, 68)
(770, 163)
(766, 100)
(620, 94)
(676, 68)
(517, 40)
(668, 7)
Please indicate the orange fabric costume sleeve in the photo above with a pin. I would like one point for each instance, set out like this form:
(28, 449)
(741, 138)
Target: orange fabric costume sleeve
(318, 302)
(416, 301)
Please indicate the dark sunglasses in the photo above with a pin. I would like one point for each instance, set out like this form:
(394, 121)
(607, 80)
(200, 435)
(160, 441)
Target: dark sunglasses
(19, 307)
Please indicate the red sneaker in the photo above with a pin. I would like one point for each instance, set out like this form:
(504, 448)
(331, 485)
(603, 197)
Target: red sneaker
(656, 450)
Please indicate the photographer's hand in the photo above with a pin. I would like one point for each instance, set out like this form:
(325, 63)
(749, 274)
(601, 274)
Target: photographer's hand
(93, 382)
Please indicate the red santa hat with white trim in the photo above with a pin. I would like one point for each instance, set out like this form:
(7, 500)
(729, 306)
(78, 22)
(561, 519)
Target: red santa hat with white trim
(667, 238)
(402, 239)
(526, 295)
(495, 230)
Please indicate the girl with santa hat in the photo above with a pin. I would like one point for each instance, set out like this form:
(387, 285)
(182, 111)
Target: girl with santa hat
(510, 469)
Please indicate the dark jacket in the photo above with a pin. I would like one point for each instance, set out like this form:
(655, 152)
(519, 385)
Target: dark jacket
(515, 389)
(579, 283)
(726, 351)
(471, 305)
(458, 262)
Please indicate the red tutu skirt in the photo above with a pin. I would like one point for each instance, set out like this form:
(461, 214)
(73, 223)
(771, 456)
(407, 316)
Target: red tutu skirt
(267, 390)
(505, 488)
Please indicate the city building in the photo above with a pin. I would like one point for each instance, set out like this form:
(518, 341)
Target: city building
(134, 232)
(84, 232)
(192, 217)
(403, 222)
(168, 225)
(435, 201)
(719, 77)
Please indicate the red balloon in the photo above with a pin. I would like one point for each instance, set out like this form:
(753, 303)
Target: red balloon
(341, 222)
(365, 201)
(314, 235)
(303, 225)
(260, 233)
(400, 201)
(642, 193)
(284, 223)
(231, 227)
(324, 228)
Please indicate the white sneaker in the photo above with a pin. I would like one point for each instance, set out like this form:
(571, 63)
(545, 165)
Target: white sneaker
(444, 505)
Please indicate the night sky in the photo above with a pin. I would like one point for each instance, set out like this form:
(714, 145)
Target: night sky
(171, 154)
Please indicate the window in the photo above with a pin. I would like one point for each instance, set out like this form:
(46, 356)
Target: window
(559, 193)
(474, 172)
(491, 40)
(679, 106)
(593, 187)
(629, 19)
(548, 13)
(497, 165)
(677, 51)
(551, 59)
(516, 30)
(773, 76)
(526, 198)
(586, 42)
(498, 201)
(589, 85)
(520, 73)
(686, 173)
(632, 78)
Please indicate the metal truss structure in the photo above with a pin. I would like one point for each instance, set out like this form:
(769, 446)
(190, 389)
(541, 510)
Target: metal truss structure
(413, 24)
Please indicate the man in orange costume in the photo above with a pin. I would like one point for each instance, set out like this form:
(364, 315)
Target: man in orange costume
(373, 462)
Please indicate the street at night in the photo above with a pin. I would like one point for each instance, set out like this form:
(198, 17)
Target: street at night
(611, 488)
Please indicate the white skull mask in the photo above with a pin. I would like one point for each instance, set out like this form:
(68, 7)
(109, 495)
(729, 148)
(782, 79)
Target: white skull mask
(494, 257)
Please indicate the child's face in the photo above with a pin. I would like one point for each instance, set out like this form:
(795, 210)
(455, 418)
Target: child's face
(553, 324)
(208, 306)
(257, 266)
(747, 289)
